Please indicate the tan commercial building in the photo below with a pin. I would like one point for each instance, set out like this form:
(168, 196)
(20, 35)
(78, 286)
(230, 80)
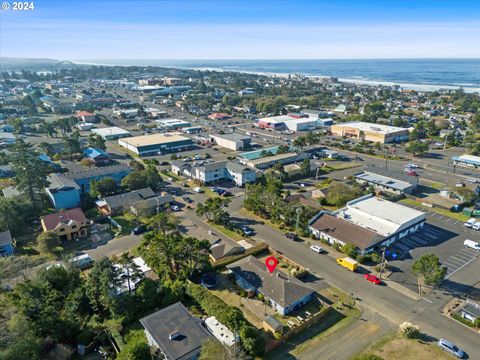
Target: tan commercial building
(371, 132)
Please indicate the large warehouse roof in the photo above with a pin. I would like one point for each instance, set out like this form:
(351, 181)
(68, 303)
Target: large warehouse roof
(154, 139)
(382, 216)
(379, 128)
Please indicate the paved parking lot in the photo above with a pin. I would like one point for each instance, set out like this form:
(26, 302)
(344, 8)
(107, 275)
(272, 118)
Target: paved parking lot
(459, 260)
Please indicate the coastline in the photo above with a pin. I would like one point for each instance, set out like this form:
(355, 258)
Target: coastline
(358, 81)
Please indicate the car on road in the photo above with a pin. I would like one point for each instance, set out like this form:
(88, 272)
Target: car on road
(187, 199)
(451, 348)
(412, 166)
(473, 180)
(290, 236)
(247, 231)
(226, 193)
(139, 230)
(372, 278)
(317, 248)
(471, 244)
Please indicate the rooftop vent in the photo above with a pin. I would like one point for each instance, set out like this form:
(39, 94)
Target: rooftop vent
(174, 335)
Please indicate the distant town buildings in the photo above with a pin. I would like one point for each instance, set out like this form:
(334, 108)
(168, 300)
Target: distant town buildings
(370, 132)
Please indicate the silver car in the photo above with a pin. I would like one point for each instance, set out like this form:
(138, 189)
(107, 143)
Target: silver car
(451, 348)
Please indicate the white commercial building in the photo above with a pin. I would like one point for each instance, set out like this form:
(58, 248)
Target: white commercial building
(130, 113)
(172, 124)
(467, 160)
(111, 133)
(301, 124)
(232, 141)
(156, 143)
(369, 222)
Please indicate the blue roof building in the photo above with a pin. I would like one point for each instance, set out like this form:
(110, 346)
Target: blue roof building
(63, 192)
(6, 244)
(96, 155)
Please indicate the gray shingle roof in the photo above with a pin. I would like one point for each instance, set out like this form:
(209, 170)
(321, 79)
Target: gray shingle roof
(278, 286)
(5, 238)
(176, 318)
(59, 182)
(96, 171)
(126, 199)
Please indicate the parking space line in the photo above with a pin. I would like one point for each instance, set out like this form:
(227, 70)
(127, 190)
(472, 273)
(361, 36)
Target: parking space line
(463, 256)
(456, 222)
(468, 262)
(455, 260)
(441, 217)
(449, 219)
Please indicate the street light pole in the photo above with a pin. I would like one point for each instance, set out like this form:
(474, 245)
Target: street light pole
(382, 263)
(298, 211)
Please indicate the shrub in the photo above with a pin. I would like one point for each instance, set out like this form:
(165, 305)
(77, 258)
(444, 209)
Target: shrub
(362, 259)
(350, 250)
(376, 258)
(409, 330)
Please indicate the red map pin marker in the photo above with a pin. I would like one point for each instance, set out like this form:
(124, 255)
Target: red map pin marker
(271, 263)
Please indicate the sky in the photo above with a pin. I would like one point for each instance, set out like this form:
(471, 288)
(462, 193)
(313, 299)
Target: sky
(249, 29)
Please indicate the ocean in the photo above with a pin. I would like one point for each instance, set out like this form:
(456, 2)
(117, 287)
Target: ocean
(421, 74)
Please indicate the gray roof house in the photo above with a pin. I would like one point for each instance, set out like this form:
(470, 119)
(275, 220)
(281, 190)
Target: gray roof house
(141, 198)
(385, 183)
(283, 292)
(175, 332)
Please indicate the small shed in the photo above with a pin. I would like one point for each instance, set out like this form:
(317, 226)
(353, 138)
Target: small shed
(470, 310)
(273, 325)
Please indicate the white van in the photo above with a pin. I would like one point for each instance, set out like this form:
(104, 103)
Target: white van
(476, 226)
(471, 244)
(470, 223)
(82, 261)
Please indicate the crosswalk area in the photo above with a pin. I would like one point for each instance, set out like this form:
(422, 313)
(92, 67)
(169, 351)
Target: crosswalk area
(459, 260)
(428, 236)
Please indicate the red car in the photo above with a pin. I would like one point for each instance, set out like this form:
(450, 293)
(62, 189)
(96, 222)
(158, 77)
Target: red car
(412, 173)
(372, 278)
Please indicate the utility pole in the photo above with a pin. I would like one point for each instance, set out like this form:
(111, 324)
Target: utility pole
(382, 263)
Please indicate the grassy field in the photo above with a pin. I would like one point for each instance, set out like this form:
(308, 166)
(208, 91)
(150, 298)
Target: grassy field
(227, 232)
(396, 347)
(444, 212)
(126, 225)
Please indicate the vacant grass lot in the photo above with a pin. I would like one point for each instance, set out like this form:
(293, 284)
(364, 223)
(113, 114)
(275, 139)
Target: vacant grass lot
(396, 347)
(444, 212)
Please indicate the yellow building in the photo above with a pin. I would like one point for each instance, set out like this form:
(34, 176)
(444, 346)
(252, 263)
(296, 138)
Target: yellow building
(68, 225)
(371, 132)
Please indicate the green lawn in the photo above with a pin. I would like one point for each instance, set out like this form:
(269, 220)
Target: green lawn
(230, 233)
(456, 216)
(127, 226)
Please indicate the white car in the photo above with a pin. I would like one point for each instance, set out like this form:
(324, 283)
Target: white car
(471, 244)
(413, 166)
(317, 248)
(175, 208)
(473, 180)
(470, 223)
(198, 190)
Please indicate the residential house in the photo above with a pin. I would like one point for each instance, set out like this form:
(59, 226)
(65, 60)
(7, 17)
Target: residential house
(470, 310)
(68, 224)
(86, 117)
(7, 138)
(215, 171)
(6, 243)
(63, 192)
(224, 247)
(143, 201)
(283, 292)
(6, 171)
(83, 177)
(96, 155)
(175, 332)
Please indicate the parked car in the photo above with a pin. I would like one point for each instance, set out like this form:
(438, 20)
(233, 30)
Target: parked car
(476, 226)
(290, 236)
(451, 348)
(198, 190)
(471, 244)
(175, 208)
(317, 248)
(470, 223)
(473, 180)
(412, 166)
(187, 199)
(372, 278)
(247, 231)
(163, 163)
(412, 173)
(139, 230)
(209, 281)
(226, 193)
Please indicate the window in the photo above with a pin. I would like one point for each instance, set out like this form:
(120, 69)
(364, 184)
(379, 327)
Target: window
(61, 229)
(74, 227)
